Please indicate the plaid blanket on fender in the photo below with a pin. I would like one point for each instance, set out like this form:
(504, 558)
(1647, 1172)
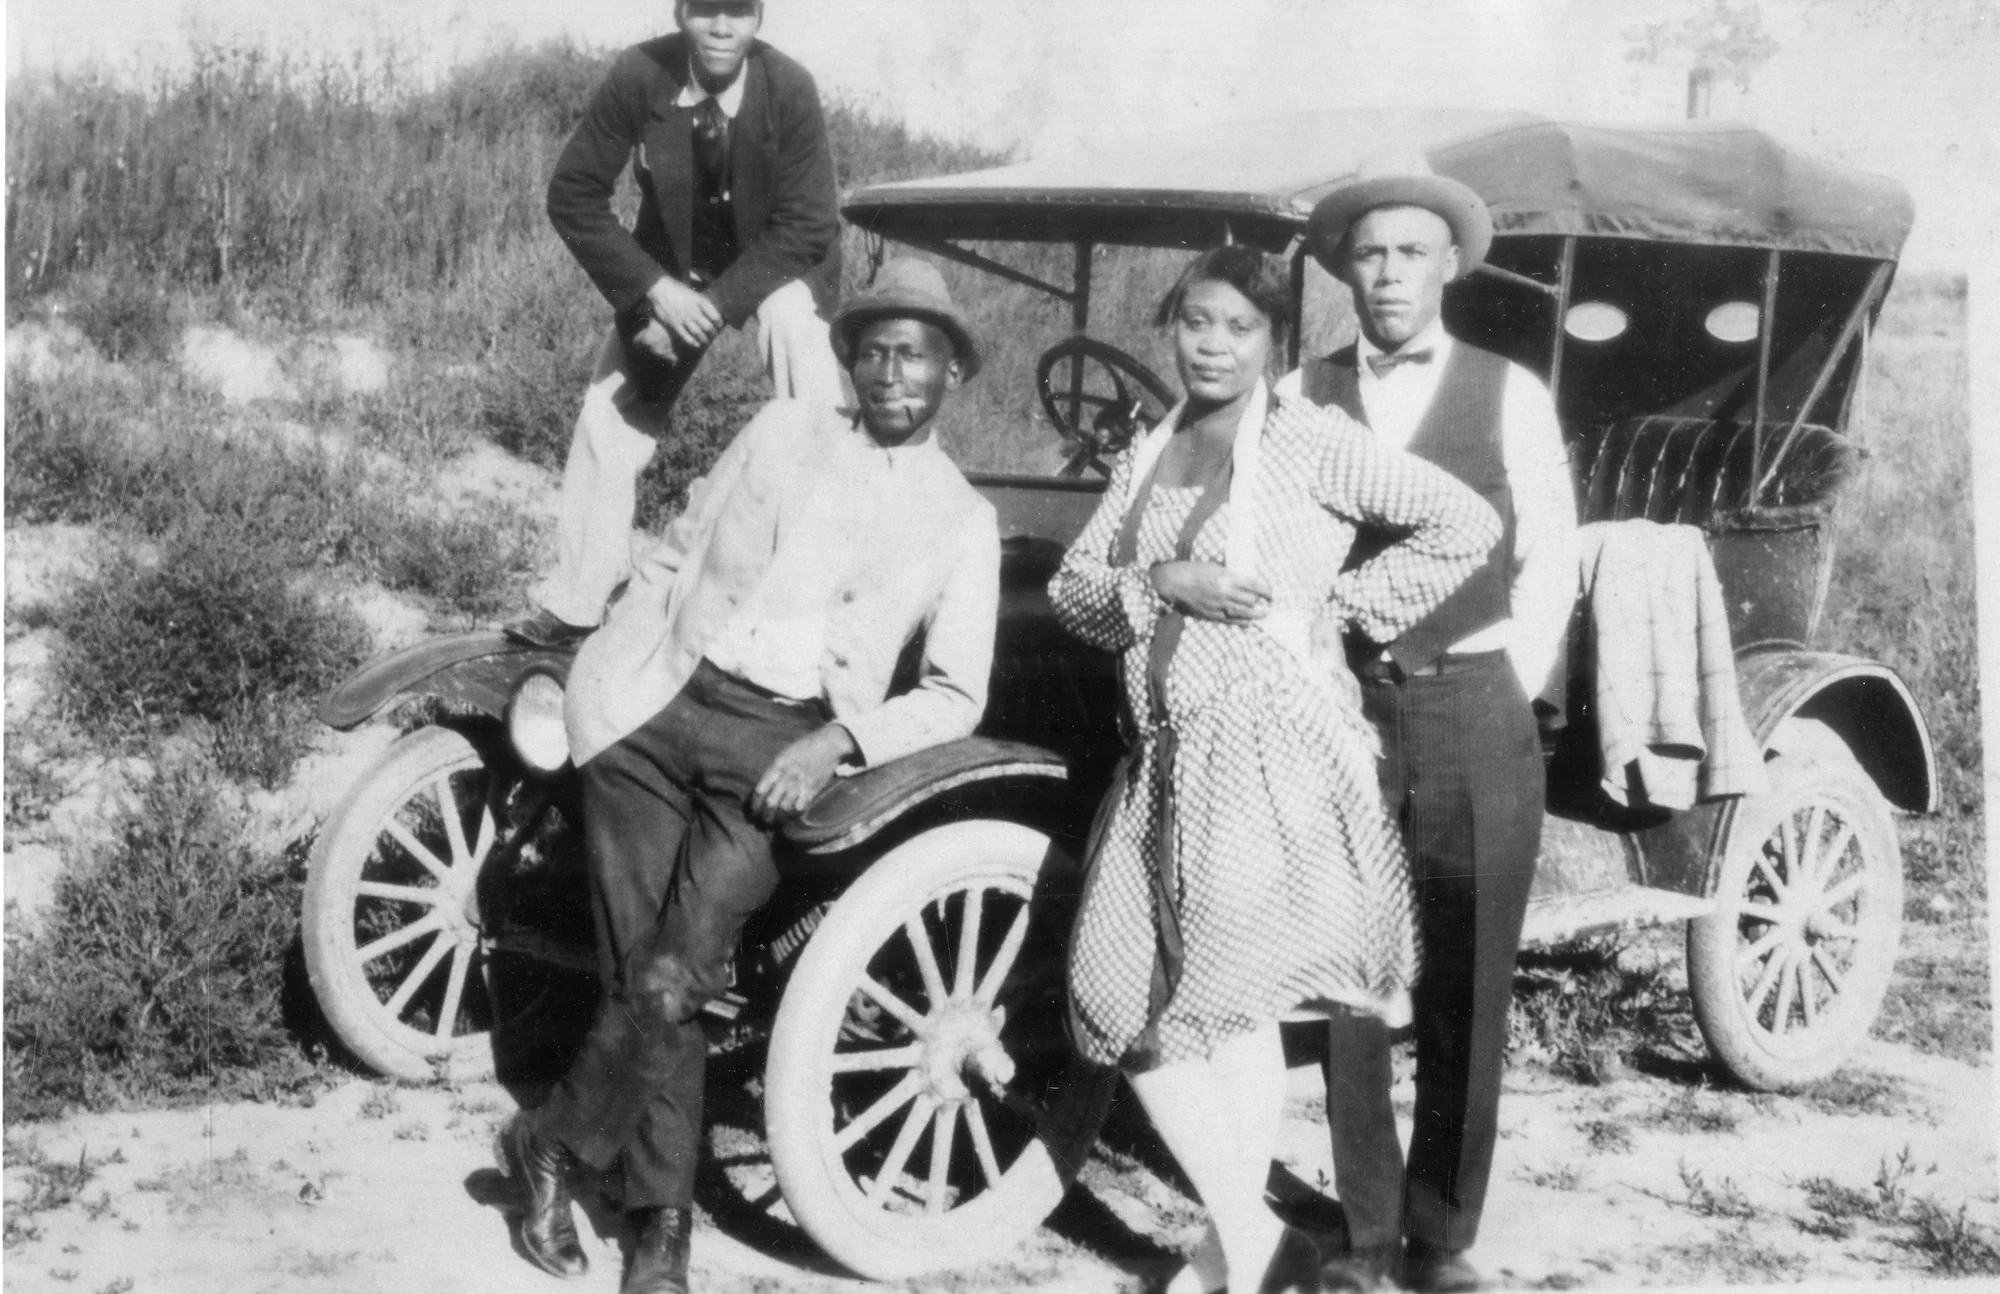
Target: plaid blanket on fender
(1669, 719)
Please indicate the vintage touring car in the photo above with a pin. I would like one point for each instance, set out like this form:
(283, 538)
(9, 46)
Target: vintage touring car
(1698, 297)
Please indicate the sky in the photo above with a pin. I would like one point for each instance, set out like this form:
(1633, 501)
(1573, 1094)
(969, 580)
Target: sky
(1892, 86)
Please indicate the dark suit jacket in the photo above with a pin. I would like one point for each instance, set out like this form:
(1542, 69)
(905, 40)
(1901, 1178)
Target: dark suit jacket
(787, 216)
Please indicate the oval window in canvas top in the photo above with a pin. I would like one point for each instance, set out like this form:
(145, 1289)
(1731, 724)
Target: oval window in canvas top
(1595, 321)
(1733, 321)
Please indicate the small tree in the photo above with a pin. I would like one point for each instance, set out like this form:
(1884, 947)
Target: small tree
(1723, 39)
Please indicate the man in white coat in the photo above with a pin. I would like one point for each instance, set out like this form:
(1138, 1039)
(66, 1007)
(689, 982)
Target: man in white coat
(749, 660)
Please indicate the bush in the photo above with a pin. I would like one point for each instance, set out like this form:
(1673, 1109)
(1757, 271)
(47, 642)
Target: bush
(55, 465)
(214, 632)
(32, 788)
(126, 319)
(1587, 1016)
(471, 563)
(67, 460)
(538, 324)
(156, 974)
(76, 453)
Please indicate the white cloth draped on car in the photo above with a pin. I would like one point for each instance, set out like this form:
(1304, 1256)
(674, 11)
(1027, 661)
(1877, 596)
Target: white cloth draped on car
(1670, 722)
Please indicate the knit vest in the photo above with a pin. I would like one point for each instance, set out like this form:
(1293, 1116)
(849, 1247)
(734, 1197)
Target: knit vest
(1460, 432)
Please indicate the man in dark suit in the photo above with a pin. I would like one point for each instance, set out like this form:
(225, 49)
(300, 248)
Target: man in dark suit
(737, 217)
(1461, 760)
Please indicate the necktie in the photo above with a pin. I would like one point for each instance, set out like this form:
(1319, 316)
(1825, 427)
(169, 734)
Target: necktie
(1380, 365)
(711, 141)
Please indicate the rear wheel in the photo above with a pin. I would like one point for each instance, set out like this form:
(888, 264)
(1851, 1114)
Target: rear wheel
(1789, 970)
(921, 1101)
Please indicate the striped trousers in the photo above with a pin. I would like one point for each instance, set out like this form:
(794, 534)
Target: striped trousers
(1461, 772)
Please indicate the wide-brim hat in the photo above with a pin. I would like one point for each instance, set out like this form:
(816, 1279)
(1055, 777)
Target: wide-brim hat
(905, 288)
(1402, 178)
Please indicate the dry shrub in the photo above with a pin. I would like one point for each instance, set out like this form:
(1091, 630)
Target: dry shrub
(213, 631)
(1949, 1242)
(1586, 1015)
(156, 974)
(270, 508)
(126, 318)
(470, 562)
(55, 460)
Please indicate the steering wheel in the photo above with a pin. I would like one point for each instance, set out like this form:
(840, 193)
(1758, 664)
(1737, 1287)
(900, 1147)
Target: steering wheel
(1101, 423)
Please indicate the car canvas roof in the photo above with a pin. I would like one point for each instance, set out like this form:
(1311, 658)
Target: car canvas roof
(1256, 181)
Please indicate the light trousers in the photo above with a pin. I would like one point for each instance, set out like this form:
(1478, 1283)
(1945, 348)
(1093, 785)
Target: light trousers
(616, 434)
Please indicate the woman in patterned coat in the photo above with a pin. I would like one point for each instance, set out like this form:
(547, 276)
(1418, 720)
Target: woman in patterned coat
(1243, 863)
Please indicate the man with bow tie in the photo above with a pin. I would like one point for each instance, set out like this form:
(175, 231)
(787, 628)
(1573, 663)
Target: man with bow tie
(738, 217)
(1461, 765)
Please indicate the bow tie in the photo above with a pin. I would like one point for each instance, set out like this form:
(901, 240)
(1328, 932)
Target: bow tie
(1380, 365)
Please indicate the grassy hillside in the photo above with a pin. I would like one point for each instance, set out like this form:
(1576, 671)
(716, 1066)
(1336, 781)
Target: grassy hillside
(267, 193)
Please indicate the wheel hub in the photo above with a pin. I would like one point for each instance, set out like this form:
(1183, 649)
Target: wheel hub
(460, 914)
(965, 1037)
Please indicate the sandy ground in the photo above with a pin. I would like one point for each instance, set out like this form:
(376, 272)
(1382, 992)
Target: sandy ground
(375, 1188)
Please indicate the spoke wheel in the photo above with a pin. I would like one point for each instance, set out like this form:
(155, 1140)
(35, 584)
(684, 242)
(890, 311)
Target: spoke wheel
(921, 1101)
(1789, 970)
(391, 914)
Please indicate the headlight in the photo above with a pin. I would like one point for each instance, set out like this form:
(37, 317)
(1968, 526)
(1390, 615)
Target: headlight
(535, 723)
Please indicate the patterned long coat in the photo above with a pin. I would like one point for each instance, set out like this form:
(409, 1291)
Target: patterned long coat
(1244, 864)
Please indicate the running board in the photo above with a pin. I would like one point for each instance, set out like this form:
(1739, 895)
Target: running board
(1628, 907)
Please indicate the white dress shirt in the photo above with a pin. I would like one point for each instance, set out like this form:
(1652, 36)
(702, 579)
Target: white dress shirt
(730, 100)
(1537, 466)
(694, 94)
(777, 637)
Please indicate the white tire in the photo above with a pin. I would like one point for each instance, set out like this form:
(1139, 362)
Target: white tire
(922, 1106)
(1789, 970)
(391, 922)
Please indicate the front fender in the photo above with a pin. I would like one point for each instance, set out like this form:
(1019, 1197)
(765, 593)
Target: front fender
(475, 670)
(856, 808)
(1861, 700)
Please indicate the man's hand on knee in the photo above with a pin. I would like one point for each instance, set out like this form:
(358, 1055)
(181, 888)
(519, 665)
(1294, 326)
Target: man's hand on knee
(799, 773)
(691, 317)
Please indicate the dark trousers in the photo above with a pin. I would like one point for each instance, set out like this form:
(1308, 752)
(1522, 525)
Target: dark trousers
(675, 868)
(1461, 771)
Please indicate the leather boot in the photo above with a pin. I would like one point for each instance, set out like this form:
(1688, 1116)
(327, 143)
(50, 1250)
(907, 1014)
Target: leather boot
(545, 629)
(548, 1230)
(659, 1251)
(1294, 1266)
(1439, 1271)
(1362, 1270)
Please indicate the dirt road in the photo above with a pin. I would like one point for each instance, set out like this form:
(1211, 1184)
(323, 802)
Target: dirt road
(1649, 1179)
